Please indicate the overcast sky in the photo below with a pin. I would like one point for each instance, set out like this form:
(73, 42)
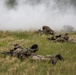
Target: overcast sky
(27, 16)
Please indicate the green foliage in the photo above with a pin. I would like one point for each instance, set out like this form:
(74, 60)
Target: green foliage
(11, 3)
(14, 66)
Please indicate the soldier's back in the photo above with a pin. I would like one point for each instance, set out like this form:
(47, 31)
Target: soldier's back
(19, 51)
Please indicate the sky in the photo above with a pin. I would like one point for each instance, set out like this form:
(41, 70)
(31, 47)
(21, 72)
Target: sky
(33, 15)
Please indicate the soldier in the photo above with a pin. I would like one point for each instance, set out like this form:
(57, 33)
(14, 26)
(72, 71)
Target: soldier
(66, 37)
(30, 53)
(58, 36)
(47, 30)
(60, 40)
(20, 52)
(52, 38)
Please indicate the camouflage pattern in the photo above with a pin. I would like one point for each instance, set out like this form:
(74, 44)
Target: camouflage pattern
(50, 58)
(47, 30)
(20, 52)
(59, 38)
(66, 37)
(52, 38)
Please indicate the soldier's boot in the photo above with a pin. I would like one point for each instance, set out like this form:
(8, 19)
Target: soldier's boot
(59, 56)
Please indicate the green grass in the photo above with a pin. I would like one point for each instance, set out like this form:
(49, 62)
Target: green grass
(14, 66)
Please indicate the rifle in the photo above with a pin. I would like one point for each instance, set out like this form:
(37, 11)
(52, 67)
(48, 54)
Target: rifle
(8, 53)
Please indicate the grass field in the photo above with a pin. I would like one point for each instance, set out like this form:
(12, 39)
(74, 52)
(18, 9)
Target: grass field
(14, 66)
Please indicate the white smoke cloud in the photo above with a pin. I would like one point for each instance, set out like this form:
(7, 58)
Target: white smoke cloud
(27, 16)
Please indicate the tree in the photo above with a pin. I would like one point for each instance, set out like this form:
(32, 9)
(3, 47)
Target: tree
(68, 28)
(11, 3)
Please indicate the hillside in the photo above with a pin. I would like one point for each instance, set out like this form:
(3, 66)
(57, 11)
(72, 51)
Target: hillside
(14, 66)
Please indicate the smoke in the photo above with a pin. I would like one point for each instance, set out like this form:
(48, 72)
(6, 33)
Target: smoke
(33, 14)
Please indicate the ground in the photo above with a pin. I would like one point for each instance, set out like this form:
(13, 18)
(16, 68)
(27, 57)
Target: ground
(14, 66)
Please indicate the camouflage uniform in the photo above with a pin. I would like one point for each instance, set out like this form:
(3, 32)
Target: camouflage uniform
(20, 52)
(47, 30)
(50, 58)
(60, 40)
(30, 52)
(66, 37)
(52, 38)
